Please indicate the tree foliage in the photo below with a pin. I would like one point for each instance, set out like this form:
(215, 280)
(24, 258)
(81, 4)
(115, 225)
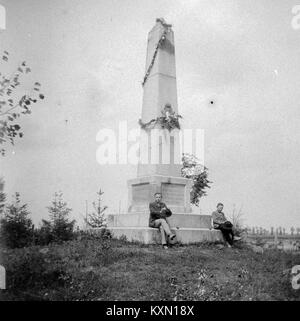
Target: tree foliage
(59, 228)
(97, 217)
(16, 229)
(194, 170)
(2, 196)
(13, 104)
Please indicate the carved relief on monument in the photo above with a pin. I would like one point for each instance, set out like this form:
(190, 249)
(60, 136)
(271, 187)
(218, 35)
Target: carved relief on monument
(168, 111)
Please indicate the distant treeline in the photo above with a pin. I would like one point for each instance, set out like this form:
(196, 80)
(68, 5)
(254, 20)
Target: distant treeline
(293, 231)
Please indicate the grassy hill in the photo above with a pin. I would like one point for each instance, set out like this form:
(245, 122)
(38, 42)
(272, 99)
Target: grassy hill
(96, 269)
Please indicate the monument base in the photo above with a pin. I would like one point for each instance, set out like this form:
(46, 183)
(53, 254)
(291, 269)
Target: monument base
(189, 228)
(175, 193)
(148, 235)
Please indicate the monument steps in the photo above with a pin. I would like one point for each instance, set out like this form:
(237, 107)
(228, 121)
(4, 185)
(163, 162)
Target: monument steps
(188, 227)
(148, 235)
(181, 220)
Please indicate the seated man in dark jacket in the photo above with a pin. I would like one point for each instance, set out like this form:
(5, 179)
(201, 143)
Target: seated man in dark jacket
(158, 218)
(220, 222)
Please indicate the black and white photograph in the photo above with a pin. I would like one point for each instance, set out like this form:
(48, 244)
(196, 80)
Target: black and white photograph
(149, 152)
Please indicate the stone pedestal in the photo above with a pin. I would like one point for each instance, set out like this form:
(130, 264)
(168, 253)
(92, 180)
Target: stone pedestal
(188, 227)
(175, 191)
(147, 235)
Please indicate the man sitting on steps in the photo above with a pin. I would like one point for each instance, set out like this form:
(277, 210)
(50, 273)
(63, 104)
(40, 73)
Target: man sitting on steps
(158, 219)
(221, 223)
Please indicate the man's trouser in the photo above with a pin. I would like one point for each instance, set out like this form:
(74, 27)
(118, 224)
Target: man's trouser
(227, 232)
(163, 225)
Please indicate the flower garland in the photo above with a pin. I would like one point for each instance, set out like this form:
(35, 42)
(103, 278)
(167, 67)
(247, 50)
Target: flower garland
(161, 40)
(166, 122)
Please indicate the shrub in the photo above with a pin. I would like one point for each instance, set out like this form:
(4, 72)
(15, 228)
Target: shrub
(194, 170)
(43, 235)
(97, 217)
(29, 271)
(16, 228)
(237, 221)
(2, 196)
(59, 228)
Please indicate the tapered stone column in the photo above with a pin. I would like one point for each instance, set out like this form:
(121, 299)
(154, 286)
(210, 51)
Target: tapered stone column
(159, 169)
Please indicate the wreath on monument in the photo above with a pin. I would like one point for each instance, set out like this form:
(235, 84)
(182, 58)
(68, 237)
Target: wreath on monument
(169, 120)
(160, 41)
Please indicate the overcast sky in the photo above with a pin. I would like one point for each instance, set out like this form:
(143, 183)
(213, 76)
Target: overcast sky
(90, 58)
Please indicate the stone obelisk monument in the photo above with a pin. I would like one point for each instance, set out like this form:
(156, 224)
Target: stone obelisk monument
(159, 168)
